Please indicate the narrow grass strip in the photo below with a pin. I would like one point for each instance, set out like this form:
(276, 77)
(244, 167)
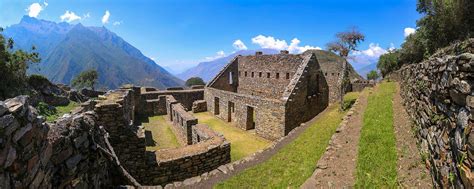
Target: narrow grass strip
(295, 162)
(377, 156)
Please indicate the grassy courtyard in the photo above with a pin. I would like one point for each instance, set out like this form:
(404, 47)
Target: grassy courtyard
(159, 130)
(242, 142)
(295, 162)
(58, 111)
(377, 156)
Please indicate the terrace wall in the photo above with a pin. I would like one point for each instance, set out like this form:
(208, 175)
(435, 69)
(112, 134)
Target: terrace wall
(439, 96)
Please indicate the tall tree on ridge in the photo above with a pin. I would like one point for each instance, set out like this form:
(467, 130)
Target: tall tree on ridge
(345, 43)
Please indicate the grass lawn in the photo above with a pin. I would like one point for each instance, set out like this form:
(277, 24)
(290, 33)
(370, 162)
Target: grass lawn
(242, 143)
(377, 156)
(163, 136)
(61, 110)
(295, 162)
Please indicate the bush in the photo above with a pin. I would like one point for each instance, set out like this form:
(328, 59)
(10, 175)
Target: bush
(37, 80)
(195, 81)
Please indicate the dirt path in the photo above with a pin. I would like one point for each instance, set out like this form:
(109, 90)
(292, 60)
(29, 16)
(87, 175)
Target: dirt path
(411, 171)
(336, 168)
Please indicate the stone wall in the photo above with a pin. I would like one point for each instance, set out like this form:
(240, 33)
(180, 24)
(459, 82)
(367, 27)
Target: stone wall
(182, 120)
(307, 95)
(185, 97)
(359, 85)
(115, 113)
(169, 165)
(65, 154)
(268, 114)
(199, 106)
(439, 96)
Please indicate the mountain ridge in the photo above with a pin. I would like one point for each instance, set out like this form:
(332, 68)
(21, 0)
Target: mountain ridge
(68, 49)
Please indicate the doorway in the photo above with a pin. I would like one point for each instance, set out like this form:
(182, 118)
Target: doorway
(216, 106)
(250, 124)
(230, 111)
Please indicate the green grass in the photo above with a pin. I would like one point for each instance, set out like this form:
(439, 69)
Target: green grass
(242, 143)
(377, 156)
(295, 162)
(52, 115)
(161, 133)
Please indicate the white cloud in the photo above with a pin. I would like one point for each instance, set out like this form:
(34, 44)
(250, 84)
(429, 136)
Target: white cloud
(239, 45)
(35, 8)
(87, 15)
(295, 48)
(368, 56)
(116, 23)
(279, 44)
(219, 54)
(269, 42)
(409, 31)
(105, 18)
(69, 16)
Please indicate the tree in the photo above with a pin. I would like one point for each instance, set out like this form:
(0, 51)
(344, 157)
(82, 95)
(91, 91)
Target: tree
(86, 78)
(345, 43)
(13, 67)
(194, 81)
(372, 75)
(443, 22)
(388, 62)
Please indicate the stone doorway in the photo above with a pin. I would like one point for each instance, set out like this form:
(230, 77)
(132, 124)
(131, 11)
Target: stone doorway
(216, 106)
(250, 123)
(230, 111)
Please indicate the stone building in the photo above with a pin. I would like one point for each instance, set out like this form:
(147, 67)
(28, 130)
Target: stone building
(272, 94)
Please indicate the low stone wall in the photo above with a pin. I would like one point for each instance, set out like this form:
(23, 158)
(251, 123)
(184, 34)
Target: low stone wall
(177, 164)
(115, 113)
(439, 96)
(35, 154)
(182, 121)
(185, 97)
(357, 86)
(199, 106)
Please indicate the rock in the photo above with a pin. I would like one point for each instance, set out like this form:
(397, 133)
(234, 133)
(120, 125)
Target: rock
(192, 181)
(21, 132)
(10, 158)
(470, 101)
(73, 161)
(223, 169)
(15, 105)
(3, 108)
(9, 124)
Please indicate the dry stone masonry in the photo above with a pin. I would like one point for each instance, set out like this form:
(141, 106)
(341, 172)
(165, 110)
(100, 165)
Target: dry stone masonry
(439, 96)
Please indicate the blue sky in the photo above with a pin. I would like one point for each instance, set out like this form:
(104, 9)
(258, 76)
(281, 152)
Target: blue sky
(180, 34)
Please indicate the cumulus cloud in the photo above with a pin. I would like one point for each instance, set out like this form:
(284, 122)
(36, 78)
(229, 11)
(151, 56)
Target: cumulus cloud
(269, 42)
(239, 45)
(105, 18)
(279, 44)
(35, 8)
(69, 16)
(368, 56)
(219, 54)
(409, 31)
(295, 48)
(116, 23)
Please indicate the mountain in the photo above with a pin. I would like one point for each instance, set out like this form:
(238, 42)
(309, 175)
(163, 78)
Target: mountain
(66, 50)
(366, 69)
(207, 70)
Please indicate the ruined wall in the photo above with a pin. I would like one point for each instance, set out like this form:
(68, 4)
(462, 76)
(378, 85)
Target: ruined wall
(199, 106)
(34, 154)
(170, 165)
(439, 96)
(185, 97)
(306, 95)
(183, 122)
(266, 75)
(269, 114)
(359, 85)
(116, 114)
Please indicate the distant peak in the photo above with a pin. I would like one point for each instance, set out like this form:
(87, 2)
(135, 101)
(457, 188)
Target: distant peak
(28, 19)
